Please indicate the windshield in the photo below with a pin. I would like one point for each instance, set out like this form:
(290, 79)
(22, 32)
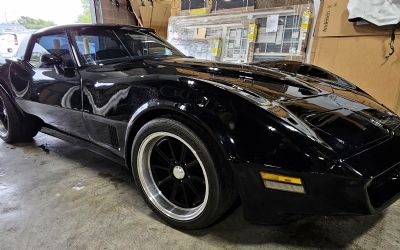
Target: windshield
(146, 44)
(105, 46)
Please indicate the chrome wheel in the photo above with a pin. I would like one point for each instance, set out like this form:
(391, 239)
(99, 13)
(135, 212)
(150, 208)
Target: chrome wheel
(3, 118)
(172, 176)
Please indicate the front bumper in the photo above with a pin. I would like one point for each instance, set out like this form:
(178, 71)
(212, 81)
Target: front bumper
(384, 189)
(325, 194)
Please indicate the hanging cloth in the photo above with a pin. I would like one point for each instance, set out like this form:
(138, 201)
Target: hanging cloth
(378, 12)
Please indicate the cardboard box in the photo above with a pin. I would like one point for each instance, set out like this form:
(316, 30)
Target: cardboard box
(136, 10)
(156, 16)
(146, 13)
(333, 21)
(147, 2)
(195, 7)
(175, 7)
(176, 4)
(357, 54)
(160, 16)
(361, 60)
(175, 11)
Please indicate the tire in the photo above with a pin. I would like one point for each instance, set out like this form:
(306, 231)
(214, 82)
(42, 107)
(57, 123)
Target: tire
(186, 190)
(12, 123)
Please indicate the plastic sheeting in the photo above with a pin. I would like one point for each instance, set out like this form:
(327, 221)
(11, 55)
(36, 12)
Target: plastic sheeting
(378, 12)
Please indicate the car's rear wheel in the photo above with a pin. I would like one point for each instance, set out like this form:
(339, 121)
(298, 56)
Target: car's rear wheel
(14, 127)
(4, 122)
(178, 176)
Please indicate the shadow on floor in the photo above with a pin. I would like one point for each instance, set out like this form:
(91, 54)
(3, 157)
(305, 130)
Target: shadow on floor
(320, 232)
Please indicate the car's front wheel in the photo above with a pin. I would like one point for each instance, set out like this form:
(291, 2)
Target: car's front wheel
(178, 175)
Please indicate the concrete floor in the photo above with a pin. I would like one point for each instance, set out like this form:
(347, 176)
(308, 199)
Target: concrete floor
(72, 198)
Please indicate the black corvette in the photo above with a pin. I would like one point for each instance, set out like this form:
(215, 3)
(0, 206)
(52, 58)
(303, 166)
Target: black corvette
(287, 139)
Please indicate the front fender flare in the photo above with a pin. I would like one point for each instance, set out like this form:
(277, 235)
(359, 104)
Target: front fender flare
(157, 108)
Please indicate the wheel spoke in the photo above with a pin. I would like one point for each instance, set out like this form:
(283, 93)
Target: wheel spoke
(183, 153)
(185, 196)
(174, 191)
(194, 190)
(165, 168)
(191, 164)
(165, 180)
(195, 178)
(171, 150)
(3, 111)
(162, 154)
(3, 118)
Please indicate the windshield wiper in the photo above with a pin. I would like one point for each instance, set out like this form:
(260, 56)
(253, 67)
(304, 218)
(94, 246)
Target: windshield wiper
(135, 59)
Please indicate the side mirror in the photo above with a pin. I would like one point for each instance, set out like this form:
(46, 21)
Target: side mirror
(49, 59)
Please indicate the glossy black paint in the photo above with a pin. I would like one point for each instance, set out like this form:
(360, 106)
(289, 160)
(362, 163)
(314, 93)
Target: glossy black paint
(281, 117)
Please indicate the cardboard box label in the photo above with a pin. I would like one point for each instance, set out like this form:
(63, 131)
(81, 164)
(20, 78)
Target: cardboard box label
(252, 35)
(200, 11)
(305, 23)
(200, 33)
(216, 46)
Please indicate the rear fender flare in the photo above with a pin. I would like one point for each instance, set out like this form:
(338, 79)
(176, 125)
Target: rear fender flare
(4, 88)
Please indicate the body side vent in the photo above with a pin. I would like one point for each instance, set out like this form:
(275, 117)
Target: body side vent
(113, 136)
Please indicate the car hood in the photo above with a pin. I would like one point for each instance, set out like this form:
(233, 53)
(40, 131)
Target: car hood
(316, 102)
(266, 82)
(346, 125)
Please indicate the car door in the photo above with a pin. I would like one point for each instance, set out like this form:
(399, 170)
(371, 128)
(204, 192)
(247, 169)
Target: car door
(54, 91)
(106, 96)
